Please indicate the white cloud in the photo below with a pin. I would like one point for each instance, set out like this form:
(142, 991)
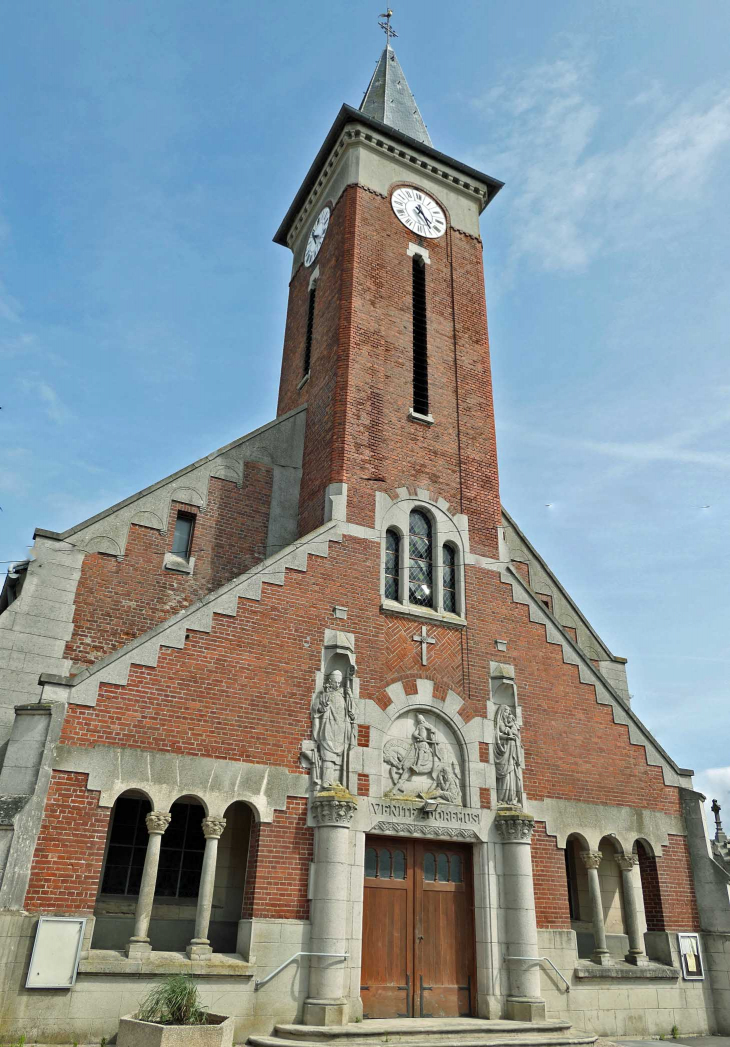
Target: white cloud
(575, 199)
(54, 406)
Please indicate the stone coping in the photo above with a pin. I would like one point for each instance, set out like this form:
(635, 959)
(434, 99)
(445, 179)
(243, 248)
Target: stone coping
(109, 961)
(626, 970)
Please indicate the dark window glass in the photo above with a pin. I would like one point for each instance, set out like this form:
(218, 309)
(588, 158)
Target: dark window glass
(449, 578)
(420, 338)
(392, 565)
(181, 853)
(429, 867)
(420, 560)
(310, 329)
(371, 862)
(399, 865)
(443, 868)
(183, 535)
(384, 864)
(455, 868)
(127, 847)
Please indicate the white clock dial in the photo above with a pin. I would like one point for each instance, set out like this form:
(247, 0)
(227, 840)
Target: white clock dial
(418, 212)
(317, 236)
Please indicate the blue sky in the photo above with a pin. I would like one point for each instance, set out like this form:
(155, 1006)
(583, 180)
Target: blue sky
(149, 153)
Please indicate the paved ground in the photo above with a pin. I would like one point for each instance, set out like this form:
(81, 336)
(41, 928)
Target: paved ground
(687, 1041)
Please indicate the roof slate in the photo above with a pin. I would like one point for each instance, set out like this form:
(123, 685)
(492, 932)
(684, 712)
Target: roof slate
(390, 100)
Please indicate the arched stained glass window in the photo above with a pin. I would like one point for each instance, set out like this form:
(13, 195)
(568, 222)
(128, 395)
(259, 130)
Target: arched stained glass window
(449, 578)
(456, 869)
(392, 565)
(384, 864)
(420, 560)
(443, 868)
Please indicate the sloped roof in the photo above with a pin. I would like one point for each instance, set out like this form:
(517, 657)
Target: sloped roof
(390, 100)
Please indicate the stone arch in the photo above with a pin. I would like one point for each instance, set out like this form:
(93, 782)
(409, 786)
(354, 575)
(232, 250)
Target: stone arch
(650, 886)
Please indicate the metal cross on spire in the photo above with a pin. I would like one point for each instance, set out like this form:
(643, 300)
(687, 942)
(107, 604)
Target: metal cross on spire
(386, 26)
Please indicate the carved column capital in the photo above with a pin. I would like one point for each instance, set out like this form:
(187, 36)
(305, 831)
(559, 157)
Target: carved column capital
(591, 859)
(334, 808)
(514, 826)
(157, 822)
(626, 862)
(213, 827)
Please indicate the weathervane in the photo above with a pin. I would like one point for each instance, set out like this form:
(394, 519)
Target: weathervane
(386, 26)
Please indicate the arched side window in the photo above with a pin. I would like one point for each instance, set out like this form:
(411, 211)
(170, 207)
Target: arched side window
(420, 560)
(449, 578)
(392, 565)
(310, 329)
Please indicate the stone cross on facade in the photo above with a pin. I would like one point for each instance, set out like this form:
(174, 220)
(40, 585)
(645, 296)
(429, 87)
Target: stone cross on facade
(424, 639)
(716, 808)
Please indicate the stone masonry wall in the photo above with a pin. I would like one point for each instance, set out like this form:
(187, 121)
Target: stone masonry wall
(118, 600)
(242, 693)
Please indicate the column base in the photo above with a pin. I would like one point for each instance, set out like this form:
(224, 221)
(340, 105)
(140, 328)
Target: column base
(601, 957)
(638, 959)
(525, 1009)
(199, 949)
(325, 1012)
(138, 947)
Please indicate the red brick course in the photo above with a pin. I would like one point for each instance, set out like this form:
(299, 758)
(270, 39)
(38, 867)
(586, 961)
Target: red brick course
(550, 881)
(278, 866)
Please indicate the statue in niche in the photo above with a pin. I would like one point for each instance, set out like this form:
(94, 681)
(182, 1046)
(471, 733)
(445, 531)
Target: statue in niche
(334, 729)
(507, 757)
(423, 757)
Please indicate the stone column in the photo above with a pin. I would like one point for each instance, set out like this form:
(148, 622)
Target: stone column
(591, 860)
(628, 864)
(139, 943)
(524, 1002)
(199, 947)
(332, 811)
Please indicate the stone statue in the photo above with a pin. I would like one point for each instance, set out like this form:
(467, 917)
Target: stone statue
(334, 729)
(507, 757)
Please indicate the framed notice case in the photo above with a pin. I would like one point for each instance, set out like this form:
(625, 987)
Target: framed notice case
(56, 951)
(693, 969)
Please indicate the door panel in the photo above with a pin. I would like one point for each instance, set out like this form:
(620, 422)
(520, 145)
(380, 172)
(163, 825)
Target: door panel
(418, 930)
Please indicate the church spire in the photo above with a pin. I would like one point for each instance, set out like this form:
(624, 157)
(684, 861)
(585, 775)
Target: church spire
(388, 98)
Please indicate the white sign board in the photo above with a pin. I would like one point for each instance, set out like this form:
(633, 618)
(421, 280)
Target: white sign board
(56, 952)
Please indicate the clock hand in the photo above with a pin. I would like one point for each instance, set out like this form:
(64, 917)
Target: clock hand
(419, 210)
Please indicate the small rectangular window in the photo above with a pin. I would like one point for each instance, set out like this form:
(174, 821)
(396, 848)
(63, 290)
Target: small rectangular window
(420, 338)
(310, 329)
(183, 537)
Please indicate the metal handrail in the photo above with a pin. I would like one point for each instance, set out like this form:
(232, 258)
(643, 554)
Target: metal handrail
(258, 982)
(543, 959)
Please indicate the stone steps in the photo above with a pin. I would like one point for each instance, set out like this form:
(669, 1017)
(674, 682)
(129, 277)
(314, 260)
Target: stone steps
(431, 1032)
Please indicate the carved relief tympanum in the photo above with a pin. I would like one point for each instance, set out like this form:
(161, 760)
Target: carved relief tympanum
(423, 759)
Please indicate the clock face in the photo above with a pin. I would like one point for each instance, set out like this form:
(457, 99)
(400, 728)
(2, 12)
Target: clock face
(418, 212)
(317, 236)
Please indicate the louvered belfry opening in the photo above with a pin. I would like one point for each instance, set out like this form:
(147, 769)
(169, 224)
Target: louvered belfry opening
(420, 338)
(310, 329)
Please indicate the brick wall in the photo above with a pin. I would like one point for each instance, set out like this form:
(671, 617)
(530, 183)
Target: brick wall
(116, 601)
(679, 903)
(550, 881)
(70, 848)
(278, 866)
(650, 889)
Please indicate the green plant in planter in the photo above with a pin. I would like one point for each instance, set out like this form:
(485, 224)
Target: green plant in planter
(174, 1002)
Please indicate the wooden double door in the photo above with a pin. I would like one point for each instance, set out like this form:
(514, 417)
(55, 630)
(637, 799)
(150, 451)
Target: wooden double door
(418, 930)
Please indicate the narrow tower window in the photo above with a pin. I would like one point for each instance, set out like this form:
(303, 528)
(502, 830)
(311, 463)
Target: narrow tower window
(310, 328)
(183, 537)
(449, 578)
(420, 560)
(420, 338)
(392, 565)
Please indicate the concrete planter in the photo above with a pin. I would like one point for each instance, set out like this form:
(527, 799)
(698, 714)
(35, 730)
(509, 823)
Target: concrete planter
(217, 1033)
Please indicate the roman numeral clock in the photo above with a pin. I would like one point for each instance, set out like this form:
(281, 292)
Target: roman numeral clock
(418, 212)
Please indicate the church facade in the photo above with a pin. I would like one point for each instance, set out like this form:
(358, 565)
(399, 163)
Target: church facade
(312, 720)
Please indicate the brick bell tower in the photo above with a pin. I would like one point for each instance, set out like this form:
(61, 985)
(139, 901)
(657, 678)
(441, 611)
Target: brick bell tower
(386, 333)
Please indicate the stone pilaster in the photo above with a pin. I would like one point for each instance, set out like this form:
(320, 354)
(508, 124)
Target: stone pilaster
(332, 813)
(524, 1002)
